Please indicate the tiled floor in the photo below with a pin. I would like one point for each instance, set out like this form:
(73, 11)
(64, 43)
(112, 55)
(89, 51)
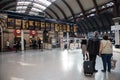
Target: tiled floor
(51, 65)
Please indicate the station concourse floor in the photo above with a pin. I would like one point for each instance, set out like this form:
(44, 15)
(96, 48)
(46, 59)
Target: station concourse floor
(56, 64)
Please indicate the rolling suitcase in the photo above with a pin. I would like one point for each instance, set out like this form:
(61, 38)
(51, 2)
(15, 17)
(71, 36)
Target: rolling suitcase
(88, 67)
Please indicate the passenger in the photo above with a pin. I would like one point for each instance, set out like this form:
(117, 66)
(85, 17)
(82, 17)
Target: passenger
(39, 42)
(17, 45)
(8, 45)
(34, 45)
(106, 53)
(84, 47)
(25, 44)
(93, 48)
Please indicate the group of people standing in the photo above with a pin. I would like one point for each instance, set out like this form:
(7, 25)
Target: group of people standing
(36, 43)
(94, 46)
(16, 45)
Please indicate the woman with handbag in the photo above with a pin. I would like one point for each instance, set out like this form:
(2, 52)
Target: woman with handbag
(105, 52)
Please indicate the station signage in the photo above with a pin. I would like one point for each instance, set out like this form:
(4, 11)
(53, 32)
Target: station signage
(17, 32)
(33, 32)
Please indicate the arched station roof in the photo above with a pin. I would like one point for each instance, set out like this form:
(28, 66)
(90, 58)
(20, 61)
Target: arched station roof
(88, 14)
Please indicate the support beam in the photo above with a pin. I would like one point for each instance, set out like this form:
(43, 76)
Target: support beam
(48, 14)
(116, 8)
(84, 26)
(80, 5)
(53, 12)
(90, 22)
(104, 28)
(65, 17)
(69, 9)
(8, 7)
(95, 23)
(95, 11)
(96, 6)
(81, 27)
(5, 2)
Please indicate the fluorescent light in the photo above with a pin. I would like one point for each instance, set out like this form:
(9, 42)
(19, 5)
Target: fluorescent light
(45, 2)
(34, 13)
(23, 3)
(21, 7)
(39, 6)
(36, 10)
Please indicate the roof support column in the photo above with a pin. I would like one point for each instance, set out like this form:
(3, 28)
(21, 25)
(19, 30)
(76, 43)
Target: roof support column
(80, 5)
(116, 8)
(96, 7)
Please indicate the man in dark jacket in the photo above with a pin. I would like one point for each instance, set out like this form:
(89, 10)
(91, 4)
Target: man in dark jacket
(24, 44)
(93, 48)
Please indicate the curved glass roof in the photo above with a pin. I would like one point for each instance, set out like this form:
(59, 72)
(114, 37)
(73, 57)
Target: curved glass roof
(32, 6)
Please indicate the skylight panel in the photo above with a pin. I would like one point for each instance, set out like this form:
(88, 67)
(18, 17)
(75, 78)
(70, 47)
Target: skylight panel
(110, 4)
(23, 3)
(36, 10)
(39, 6)
(21, 11)
(33, 13)
(45, 2)
(21, 7)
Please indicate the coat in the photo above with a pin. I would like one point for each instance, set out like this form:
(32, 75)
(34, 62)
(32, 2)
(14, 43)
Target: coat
(93, 46)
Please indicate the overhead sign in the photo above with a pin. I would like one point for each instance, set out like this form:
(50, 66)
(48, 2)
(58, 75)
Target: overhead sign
(17, 32)
(33, 32)
(115, 27)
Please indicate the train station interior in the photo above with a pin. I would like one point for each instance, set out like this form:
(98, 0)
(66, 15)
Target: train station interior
(42, 39)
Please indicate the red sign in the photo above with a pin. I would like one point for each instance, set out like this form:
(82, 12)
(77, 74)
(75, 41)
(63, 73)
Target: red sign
(33, 32)
(17, 32)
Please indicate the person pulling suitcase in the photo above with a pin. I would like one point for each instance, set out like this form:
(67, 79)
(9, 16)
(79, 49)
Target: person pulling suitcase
(88, 67)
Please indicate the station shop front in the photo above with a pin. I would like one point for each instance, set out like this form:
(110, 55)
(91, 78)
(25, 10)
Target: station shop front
(17, 27)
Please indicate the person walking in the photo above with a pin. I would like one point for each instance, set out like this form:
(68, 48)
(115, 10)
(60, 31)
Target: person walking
(17, 45)
(84, 48)
(93, 48)
(105, 52)
(34, 45)
(39, 42)
(24, 44)
(8, 45)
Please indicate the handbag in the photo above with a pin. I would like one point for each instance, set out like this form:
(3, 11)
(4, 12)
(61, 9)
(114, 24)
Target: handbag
(102, 48)
(113, 63)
